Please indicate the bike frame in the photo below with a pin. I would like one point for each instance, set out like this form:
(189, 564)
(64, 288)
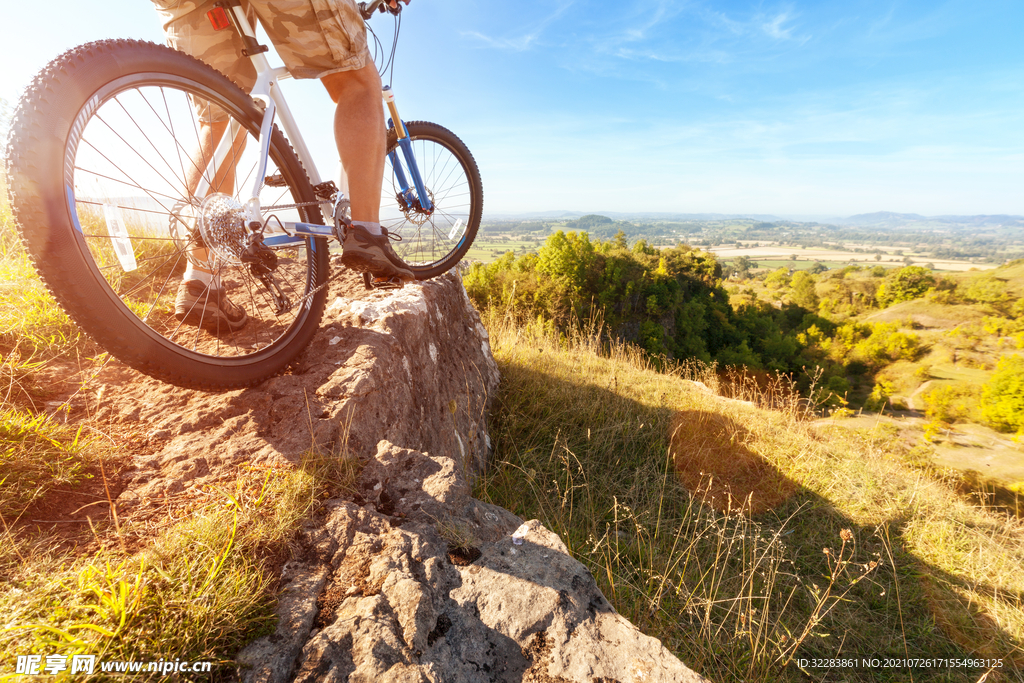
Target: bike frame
(268, 92)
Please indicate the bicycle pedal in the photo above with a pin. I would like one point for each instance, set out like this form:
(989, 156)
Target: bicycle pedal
(276, 180)
(371, 282)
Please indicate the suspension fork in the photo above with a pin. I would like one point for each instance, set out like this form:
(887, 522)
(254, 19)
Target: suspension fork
(405, 144)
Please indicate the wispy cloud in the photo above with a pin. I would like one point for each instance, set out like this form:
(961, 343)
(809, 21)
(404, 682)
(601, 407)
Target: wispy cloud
(775, 29)
(518, 43)
(526, 38)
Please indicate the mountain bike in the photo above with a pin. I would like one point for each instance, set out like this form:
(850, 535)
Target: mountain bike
(115, 184)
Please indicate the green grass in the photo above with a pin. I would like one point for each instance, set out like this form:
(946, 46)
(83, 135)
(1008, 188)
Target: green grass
(949, 373)
(644, 475)
(199, 591)
(37, 455)
(31, 324)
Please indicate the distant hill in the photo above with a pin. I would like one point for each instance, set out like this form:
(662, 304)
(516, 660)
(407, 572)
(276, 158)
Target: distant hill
(877, 219)
(630, 216)
(892, 219)
(882, 217)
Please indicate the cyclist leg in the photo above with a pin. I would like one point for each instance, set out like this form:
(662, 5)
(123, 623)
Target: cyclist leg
(329, 42)
(360, 135)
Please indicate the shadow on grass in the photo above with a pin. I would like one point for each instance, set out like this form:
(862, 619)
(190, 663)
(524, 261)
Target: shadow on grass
(733, 595)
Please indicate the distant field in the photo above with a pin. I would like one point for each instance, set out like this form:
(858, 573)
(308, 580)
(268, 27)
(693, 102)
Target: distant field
(772, 264)
(487, 250)
(775, 257)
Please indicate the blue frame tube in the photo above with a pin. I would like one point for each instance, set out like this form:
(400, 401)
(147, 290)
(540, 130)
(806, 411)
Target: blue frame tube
(414, 170)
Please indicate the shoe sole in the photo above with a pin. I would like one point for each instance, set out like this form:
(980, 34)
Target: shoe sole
(210, 319)
(364, 264)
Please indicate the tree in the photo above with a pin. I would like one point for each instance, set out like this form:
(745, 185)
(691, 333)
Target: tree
(909, 282)
(777, 279)
(803, 290)
(741, 266)
(566, 257)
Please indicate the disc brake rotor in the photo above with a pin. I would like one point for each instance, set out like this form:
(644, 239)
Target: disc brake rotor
(418, 216)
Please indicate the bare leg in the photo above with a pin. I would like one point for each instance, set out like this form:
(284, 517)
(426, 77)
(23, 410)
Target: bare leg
(360, 136)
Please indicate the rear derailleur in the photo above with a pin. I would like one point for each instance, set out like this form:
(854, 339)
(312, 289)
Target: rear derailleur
(262, 262)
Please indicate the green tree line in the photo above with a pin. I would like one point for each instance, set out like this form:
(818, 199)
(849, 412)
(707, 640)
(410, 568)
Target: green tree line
(672, 302)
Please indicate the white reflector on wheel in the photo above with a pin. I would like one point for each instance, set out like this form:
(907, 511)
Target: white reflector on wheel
(456, 229)
(119, 237)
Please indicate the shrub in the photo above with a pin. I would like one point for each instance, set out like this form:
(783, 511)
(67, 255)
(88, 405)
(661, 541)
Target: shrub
(880, 395)
(803, 290)
(887, 343)
(951, 402)
(777, 279)
(1002, 398)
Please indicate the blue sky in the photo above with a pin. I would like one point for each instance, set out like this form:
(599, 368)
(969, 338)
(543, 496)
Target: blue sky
(788, 108)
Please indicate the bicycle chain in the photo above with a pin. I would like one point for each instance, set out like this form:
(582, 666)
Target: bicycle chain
(293, 206)
(330, 278)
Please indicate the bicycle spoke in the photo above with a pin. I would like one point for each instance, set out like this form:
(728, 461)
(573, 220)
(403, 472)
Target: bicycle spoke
(148, 138)
(177, 148)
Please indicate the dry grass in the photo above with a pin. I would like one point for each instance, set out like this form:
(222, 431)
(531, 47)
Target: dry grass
(706, 520)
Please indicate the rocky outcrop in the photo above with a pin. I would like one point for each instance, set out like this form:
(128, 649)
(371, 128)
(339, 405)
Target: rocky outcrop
(428, 584)
(411, 579)
(413, 367)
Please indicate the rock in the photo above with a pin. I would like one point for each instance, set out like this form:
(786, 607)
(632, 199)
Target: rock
(412, 579)
(409, 366)
(270, 660)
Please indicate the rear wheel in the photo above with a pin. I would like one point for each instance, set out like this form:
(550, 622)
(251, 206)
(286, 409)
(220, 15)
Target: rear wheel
(431, 241)
(107, 148)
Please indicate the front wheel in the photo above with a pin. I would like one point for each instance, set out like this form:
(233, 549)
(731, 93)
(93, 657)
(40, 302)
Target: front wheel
(431, 240)
(111, 167)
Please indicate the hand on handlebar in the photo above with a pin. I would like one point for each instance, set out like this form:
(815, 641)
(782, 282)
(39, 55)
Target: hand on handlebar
(366, 9)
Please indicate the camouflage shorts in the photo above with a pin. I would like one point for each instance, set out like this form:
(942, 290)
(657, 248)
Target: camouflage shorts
(313, 37)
